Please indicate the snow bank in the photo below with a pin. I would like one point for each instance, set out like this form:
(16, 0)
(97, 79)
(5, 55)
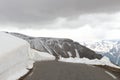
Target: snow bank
(40, 56)
(103, 61)
(14, 57)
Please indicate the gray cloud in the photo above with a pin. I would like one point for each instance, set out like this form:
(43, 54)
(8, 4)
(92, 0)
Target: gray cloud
(30, 12)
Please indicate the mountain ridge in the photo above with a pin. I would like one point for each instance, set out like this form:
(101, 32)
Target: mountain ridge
(109, 48)
(59, 47)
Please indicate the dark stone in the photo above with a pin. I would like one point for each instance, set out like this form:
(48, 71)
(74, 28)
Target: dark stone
(59, 47)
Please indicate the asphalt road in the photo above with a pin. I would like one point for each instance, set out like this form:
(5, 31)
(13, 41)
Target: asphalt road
(51, 70)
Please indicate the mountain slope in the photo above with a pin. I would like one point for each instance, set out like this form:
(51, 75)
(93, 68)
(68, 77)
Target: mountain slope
(59, 47)
(109, 48)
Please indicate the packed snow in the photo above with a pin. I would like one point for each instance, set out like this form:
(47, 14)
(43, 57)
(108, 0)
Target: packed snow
(103, 61)
(40, 56)
(14, 57)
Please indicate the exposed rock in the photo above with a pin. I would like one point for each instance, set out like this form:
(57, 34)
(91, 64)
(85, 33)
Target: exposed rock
(59, 47)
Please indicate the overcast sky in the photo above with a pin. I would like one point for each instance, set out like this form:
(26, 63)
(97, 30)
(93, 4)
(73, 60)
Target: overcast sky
(63, 16)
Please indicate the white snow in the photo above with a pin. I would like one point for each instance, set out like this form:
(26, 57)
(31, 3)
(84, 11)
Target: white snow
(14, 57)
(103, 61)
(109, 48)
(77, 53)
(69, 53)
(100, 46)
(40, 56)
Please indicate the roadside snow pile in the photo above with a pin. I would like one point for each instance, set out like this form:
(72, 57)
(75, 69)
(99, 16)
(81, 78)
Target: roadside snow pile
(103, 61)
(41, 56)
(14, 57)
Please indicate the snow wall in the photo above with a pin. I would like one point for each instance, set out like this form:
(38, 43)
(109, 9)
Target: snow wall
(14, 57)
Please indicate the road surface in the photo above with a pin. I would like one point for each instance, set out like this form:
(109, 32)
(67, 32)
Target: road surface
(52, 70)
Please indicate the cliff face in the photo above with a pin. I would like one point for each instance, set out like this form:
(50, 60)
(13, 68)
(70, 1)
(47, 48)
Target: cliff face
(59, 47)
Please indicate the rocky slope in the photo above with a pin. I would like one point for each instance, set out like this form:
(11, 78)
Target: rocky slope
(59, 47)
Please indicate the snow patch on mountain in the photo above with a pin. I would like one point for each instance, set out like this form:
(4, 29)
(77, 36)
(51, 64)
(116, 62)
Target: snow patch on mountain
(109, 48)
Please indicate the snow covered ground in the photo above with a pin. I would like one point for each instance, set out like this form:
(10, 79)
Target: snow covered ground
(40, 56)
(14, 57)
(103, 61)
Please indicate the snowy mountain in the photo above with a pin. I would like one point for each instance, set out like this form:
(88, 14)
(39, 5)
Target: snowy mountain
(109, 48)
(16, 56)
(59, 47)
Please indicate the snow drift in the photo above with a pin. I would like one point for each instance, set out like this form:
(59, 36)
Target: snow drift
(14, 57)
(103, 61)
(41, 56)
